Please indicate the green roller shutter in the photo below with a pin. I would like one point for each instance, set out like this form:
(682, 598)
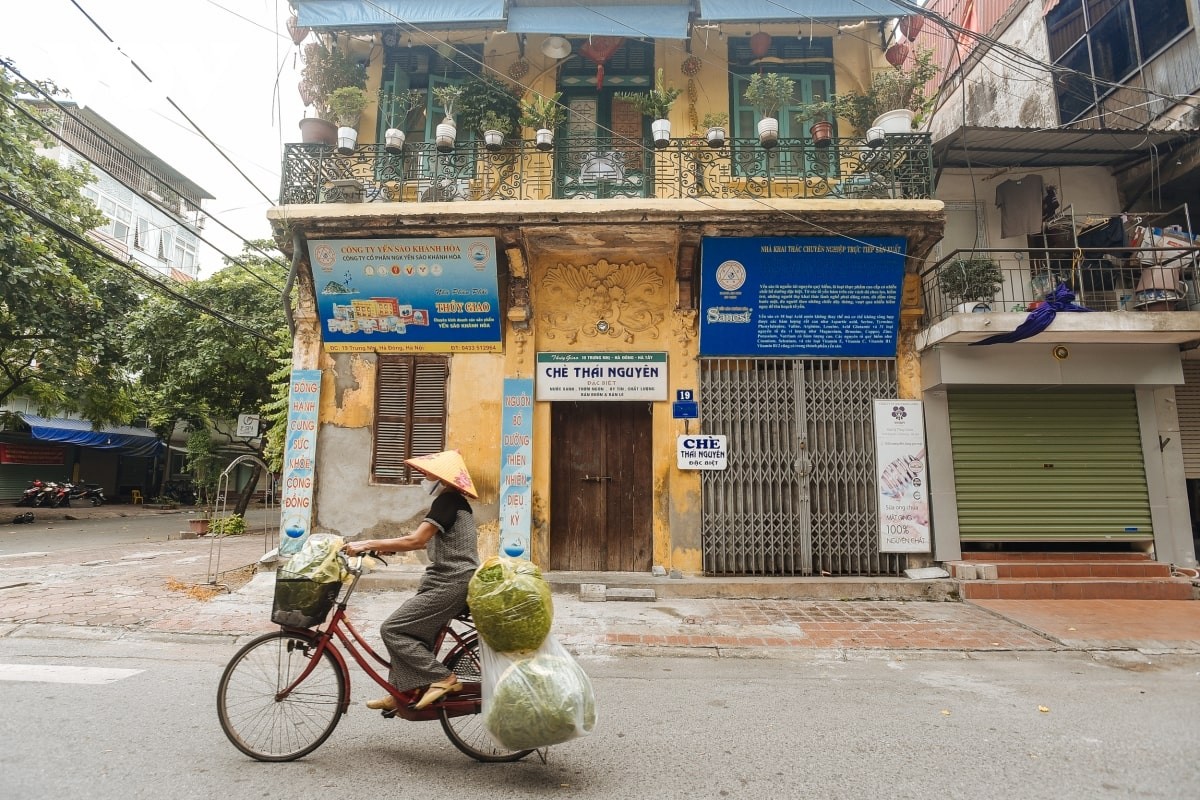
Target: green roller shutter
(1049, 467)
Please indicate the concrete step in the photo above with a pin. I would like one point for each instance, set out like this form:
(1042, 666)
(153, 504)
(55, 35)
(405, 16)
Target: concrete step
(1079, 589)
(405, 577)
(1058, 568)
(993, 556)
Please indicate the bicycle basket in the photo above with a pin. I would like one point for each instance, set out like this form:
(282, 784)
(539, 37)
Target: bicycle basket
(302, 603)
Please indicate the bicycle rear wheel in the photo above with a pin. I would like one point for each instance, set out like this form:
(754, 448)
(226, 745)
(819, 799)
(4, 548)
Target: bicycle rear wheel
(270, 728)
(467, 732)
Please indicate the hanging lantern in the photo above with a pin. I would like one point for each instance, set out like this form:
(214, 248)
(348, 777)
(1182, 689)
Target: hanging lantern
(760, 43)
(911, 25)
(306, 93)
(896, 54)
(298, 34)
(600, 49)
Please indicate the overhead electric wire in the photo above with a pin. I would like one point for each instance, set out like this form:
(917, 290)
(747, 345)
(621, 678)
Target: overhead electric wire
(63, 109)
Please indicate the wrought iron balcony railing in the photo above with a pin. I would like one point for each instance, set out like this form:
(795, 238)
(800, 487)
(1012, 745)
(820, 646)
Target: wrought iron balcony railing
(1102, 279)
(606, 168)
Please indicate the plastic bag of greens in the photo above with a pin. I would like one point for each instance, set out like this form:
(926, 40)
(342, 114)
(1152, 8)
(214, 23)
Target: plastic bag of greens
(510, 602)
(536, 699)
(317, 560)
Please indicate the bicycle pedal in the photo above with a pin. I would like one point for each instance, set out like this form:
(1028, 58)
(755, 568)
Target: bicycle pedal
(388, 713)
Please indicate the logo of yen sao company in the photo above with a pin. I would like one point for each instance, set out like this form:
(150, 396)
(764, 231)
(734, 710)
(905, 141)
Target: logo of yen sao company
(731, 275)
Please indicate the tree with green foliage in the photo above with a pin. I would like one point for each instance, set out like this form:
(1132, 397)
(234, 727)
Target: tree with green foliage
(199, 370)
(62, 302)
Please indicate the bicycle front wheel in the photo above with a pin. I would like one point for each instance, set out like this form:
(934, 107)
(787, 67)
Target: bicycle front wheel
(467, 732)
(271, 728)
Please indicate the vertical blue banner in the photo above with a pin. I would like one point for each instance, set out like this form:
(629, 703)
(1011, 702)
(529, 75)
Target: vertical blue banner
(299, 460)
(516, 467)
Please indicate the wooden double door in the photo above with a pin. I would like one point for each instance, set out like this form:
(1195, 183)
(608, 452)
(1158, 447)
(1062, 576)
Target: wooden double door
(601, 487)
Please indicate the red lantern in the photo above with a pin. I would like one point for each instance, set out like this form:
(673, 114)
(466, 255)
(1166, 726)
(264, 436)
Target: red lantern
(911, 25)
(306, 93)
(896, 54)
(298, 34)
(601, 49)
(760, 43)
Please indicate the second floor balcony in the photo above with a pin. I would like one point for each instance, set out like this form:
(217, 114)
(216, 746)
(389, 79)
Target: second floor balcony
(597, 168)
(1121, 295)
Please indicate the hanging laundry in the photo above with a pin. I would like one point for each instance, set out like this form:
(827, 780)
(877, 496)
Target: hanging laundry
(1020, 204)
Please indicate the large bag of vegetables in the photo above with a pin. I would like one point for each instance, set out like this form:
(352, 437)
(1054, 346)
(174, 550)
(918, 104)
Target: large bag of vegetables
(510, 603)
(536, 699)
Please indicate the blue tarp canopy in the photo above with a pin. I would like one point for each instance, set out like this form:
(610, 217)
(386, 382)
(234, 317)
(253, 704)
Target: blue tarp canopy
(664, 21)
(141, 442)
(340, 14)
(797, 11)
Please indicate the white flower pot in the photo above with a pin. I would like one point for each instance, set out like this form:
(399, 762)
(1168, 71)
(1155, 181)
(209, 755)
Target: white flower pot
(715, 136)
(544, 139)
(875, 136)
(446, 133)
(768, 132)
(347, 139)
(493, 140)
(393, 140)
(660, 129)
(898, 121)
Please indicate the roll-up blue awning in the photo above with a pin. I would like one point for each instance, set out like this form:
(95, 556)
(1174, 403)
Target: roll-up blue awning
(796, 10)
(635, 22)
(130, 441)
(340, 14)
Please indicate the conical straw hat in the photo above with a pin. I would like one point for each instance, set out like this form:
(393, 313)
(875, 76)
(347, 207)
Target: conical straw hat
(447, 466)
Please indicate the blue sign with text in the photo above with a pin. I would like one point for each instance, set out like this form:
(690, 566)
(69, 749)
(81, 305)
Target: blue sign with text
(801, 296)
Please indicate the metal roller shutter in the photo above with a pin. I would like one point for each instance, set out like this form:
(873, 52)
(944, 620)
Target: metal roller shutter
(1049, 467)
(1187, 403)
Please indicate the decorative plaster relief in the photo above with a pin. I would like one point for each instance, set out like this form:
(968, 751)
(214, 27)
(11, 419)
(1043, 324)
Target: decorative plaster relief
(602, 299)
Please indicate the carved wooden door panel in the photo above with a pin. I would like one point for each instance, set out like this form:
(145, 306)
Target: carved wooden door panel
(601, 487)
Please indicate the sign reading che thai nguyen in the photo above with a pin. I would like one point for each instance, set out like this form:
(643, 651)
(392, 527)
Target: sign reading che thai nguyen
(800, 296)
(407, 295)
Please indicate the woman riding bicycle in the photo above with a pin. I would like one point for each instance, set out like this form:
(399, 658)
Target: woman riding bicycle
(448, 534)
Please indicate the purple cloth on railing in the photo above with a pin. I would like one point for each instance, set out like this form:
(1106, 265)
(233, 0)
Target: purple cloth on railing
(1061, 299)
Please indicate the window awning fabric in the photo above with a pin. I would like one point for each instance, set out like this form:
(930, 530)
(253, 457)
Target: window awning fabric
(763, 10)
(341, 14)
(141, 442)
(634, 22)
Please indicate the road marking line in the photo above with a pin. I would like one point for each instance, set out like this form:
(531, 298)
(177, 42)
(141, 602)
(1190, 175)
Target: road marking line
(51, 673)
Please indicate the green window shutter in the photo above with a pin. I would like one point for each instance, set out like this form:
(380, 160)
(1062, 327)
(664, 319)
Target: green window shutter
(1049, 467)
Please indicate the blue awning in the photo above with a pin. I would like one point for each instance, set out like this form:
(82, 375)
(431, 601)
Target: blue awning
(341, 14)
(635, 22)
(141, 442)
(763, 10)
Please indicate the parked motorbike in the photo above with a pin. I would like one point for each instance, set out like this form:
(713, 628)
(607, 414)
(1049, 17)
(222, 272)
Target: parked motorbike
(59, 495)
(91, 492)
(32, 496)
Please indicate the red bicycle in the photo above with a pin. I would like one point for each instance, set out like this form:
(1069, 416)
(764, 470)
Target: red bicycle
(282, 695)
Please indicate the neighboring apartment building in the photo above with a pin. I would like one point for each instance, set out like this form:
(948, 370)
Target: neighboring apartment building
(598, 325)
(153, 211)
(154, 220)
(1067, 147)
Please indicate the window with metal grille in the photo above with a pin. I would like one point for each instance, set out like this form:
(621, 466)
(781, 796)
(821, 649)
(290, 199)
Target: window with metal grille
(410, 414)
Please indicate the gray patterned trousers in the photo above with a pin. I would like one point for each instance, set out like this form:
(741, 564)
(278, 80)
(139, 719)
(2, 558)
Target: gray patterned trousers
(409, 632)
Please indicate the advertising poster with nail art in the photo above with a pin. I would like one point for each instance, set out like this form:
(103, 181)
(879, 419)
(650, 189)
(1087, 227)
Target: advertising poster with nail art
(407, 295)
(902, 477)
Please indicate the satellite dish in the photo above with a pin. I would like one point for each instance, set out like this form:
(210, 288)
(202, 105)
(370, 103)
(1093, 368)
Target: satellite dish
(556, 47)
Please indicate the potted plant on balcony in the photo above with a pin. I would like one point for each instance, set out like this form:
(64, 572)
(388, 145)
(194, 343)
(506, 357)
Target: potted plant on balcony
(715, 124)
(346, 105)
(970, 283)
(489, 104)
(655, 104)
(769, 92)
(397, 109)
(447, 130)
(326, 68)
(895, 101)
(543, 114)
(818, 113)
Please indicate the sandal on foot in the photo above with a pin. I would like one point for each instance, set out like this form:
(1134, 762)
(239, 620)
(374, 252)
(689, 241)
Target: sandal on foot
(437, 691)
(383, 704)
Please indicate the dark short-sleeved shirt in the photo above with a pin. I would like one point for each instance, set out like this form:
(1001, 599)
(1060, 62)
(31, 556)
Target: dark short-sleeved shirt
(453, 550)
